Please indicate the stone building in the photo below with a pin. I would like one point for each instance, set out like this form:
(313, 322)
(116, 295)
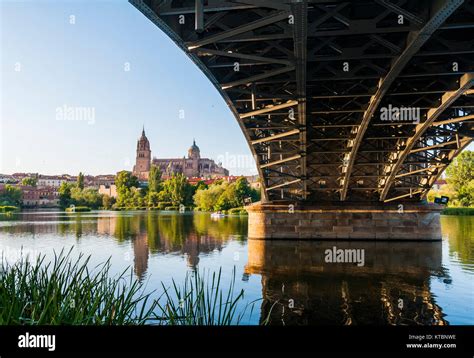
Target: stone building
(193, 166)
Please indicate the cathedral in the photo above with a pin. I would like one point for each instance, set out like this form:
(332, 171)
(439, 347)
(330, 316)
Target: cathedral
(192, 167)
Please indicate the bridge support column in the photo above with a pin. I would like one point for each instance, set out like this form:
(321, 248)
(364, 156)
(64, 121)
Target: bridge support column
(353, 221)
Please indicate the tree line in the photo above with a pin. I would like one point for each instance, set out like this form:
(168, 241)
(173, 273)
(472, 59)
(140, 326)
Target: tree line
(176, 192)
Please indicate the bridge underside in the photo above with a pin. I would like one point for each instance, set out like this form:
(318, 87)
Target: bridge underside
(340, 101)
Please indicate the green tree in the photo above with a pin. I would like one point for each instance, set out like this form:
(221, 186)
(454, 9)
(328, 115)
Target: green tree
(107, 201)
(201, 185)
(138, 200)
(460, 175)
(206, 199)
(154, 179)
(125, 181)
(461, 171)
(153, 199)
(10, 195)
(92, 198)
(228, 198)
(89, 197)
(29, 181)
(244, 191)
(80, 181)
(465, 194)
(65, 194)
(224, 196)
(176, 188)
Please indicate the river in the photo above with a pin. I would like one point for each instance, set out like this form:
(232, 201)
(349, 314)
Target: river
(428, 283)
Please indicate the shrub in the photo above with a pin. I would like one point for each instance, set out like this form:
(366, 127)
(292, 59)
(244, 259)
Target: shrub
(8, 208)
(172, 208)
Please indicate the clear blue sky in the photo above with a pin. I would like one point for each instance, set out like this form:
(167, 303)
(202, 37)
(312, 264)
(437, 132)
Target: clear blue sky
(47, 63)
(82, 65)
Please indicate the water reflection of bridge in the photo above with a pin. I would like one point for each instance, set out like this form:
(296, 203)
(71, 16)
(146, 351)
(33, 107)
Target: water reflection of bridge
(393, 286)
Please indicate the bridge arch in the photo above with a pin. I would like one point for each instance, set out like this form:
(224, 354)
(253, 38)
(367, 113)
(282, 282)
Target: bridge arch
(306, 81)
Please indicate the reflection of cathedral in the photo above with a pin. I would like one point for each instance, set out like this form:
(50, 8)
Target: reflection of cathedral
(154, 233)
(140, 254)
(192, 166)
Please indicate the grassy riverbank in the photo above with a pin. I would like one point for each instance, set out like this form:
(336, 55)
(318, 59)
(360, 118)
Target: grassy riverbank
(233, 211)
(458, 211)
(65, 291)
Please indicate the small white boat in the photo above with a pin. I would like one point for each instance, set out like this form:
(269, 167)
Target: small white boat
(217, 215)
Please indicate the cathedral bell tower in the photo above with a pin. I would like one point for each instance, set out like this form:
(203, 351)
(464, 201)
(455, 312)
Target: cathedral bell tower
(143, 159)
(194, 155)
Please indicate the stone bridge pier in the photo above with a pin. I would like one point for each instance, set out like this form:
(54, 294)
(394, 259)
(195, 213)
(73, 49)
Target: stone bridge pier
(352, 221)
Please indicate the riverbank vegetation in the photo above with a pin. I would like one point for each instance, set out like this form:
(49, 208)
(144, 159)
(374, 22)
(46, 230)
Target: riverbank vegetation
(201, 301)
(10, 196)
(175, 193)
(460, 184)
(8, 208)
(75, 194)
(171, 194)
(222, 196)
(65, 291)
(458, 211)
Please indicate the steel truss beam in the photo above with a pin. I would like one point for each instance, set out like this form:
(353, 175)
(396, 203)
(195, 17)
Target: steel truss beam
(410, 194)
(275, 136)
(290, 55)
(300, 11)
(284, 160)
(240, 29)
(268, 109)
(466, 82)
(434, 167)
(277, 186)
(434, 146)
(451, 156)
(414, 42)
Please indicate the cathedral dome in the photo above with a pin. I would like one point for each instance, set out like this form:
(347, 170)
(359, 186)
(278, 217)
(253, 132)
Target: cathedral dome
(194, 151)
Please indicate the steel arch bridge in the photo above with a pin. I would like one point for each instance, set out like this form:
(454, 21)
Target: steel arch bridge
(309, 81)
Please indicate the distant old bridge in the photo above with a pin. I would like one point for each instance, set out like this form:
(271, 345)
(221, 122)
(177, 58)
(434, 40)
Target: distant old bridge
(340, 101)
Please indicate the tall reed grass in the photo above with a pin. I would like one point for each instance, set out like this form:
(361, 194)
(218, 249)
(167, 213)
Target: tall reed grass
(65, 291)
(202, 301)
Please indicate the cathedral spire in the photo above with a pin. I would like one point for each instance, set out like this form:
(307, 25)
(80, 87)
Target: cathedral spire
(143, 131)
